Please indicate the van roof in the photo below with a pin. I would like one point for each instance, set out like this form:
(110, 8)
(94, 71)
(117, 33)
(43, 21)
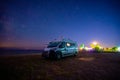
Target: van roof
(68, 40)
(64, 40)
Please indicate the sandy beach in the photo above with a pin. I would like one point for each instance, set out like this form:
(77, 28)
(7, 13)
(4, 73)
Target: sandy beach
(85, 66)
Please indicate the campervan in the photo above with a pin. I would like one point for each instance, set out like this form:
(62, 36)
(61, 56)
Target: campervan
(59, 49)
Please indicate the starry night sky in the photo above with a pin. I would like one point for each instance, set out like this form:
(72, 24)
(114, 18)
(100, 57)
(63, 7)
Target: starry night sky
(33, 23)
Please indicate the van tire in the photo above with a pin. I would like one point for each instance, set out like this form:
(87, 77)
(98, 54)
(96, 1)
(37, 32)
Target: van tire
(75, 54)
(52, 55)
(58, 56)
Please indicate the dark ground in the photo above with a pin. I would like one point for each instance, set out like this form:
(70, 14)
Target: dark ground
(85, 66)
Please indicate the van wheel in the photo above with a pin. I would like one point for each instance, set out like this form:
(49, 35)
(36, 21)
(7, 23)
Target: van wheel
(75, 54)
(58, 56)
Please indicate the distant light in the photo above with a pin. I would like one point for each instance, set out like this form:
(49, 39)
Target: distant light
(101, 47)
(82, 46)
(87, 48)
(95, 43)
(118, 49)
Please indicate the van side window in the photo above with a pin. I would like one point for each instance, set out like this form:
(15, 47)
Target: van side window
(62, 45)
(70, 44)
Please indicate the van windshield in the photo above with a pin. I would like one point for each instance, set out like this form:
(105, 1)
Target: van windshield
(53, 44)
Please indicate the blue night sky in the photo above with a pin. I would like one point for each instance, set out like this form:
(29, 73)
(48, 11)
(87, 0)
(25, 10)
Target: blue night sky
(33, 23)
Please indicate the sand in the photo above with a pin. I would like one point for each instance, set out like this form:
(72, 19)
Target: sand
(85, 66)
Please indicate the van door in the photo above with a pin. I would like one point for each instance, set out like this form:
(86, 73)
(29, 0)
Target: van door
(63, 49)
(70, 48)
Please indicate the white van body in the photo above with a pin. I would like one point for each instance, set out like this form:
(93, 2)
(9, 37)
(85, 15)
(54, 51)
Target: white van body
(59, 49)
